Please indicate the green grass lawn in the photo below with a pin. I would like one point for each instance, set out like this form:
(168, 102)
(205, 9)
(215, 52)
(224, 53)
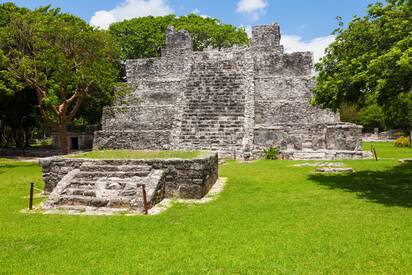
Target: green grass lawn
(129, 154)
(271, 218)
(388, 150)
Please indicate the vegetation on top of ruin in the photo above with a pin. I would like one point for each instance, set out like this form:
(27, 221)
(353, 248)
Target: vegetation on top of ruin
(271, 217)
(136, 154)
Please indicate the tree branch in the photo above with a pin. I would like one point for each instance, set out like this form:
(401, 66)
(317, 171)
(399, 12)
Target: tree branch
(76, 107)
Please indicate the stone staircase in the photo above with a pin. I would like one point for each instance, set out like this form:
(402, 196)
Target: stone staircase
(107, 185)
(214, 109)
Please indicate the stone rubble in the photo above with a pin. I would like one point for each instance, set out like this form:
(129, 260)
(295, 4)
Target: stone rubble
(334, 170)
(320, 164)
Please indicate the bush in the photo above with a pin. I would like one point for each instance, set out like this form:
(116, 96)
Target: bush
(402, 142)
(371, 117)
(271, 153)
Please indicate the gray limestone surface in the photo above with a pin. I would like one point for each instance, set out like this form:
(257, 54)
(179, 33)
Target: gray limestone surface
(236, 101)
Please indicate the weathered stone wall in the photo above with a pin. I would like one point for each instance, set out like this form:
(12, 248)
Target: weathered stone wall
(301, 137)
(232, 101)
(183, 178)
(133, 140)
(55, 168)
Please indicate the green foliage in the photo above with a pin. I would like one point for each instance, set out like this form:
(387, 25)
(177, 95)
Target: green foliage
(395, 114)
(402, 142)
(371, 117)
(348, 112)
(373, 55)
(398, 112)
(18, 116)
(61, 57)
(271, 153)
(145, 36)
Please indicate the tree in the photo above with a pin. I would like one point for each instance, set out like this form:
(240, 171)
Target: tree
(18, 116)
(61, 57)
(145, 36)
(371, 57)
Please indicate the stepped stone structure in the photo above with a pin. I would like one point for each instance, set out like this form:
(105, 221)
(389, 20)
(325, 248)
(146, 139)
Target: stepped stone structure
(235, 101)
(116, 185)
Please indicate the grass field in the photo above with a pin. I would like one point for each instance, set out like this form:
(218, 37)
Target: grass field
(128, 154)
(272, 218)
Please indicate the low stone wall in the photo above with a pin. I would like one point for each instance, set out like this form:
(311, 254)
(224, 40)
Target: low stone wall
(28, 152)
(55, 168)
(189, 179)
(341, 139)
(323, 155)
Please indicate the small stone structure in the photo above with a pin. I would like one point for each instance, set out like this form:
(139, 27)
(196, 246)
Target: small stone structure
(78, 183)
(235, 101)
(75, 140)
(78, 137)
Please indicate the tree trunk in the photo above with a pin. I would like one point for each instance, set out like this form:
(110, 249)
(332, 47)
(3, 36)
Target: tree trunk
(2, 132)
(64, 146)
(18, 136)
(28, 134)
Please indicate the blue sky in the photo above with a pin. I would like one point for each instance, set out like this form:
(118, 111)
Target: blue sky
(305, 24)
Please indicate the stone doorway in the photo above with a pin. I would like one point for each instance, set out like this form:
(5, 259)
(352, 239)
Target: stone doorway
(74, 143)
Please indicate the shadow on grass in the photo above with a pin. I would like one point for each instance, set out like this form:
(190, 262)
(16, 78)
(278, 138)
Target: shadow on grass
(391, 187)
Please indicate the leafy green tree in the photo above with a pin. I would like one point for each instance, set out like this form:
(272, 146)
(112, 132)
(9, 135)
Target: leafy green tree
(61, 57)
(371, 57)
(371, 117)
(348, 112)
(145, 36)
(19, 115)
(398, 112)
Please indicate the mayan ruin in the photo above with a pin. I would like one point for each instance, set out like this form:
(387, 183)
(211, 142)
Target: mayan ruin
(235, 101)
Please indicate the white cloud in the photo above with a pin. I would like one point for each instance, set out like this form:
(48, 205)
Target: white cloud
(248, 30)
(294, 43)
(197, 12)
(130, 9)
(252, 8)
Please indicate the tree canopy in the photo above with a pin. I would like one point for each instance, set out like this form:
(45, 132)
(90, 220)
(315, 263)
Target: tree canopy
(145, 36)
(60, 57)
(371, 58)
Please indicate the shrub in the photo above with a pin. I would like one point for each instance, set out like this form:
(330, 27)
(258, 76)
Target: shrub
(271, 153)
(402, 142)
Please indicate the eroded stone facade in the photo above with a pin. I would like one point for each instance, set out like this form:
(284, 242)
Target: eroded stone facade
(235, 101)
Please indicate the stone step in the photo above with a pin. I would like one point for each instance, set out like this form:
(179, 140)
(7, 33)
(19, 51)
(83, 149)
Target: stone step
(116, 162)
(115, 168)
(109, 189)
(93, 176)
(82, 201)
(82, 184)
(77, 200)
(79, 192)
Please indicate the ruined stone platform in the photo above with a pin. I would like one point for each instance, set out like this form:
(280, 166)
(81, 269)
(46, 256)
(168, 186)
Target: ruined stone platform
(85, 184)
